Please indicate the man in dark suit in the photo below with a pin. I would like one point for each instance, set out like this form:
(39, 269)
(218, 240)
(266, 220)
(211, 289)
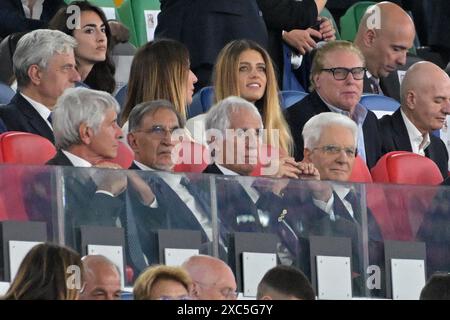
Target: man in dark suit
(44, 65)
(19, 16)
(337, 77)
(384, 37)
(425, 104)
(329, 209)
(179, 202)
(87, 135)
(206, 26)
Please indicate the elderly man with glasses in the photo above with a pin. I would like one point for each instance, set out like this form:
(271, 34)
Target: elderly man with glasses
(337, 75)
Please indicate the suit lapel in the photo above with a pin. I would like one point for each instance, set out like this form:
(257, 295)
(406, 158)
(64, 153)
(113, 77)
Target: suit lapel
(34, 119)
(400, 133)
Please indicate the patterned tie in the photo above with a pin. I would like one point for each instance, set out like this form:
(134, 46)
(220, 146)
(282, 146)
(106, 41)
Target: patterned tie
(374, 85)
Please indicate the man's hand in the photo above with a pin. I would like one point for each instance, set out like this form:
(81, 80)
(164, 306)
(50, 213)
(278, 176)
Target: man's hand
(308, 171)
(326, 29)
(302, 39)
(112, 181)
(143, 189)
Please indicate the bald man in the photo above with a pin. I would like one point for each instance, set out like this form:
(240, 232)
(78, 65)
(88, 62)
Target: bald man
(385, 34)
(212, 279)
(425, 103)
(102, 279)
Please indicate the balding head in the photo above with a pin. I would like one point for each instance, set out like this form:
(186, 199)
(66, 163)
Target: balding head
(385, 34)
(102, 279)
(212, 278)
(425, 96)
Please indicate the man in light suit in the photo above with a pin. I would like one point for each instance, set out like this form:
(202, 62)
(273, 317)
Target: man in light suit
(44, 65)
(425, 104)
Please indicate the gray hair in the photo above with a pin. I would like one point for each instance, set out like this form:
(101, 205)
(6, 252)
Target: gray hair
(76, 106)
(218, 117)
(38, 47)
(150, 108)
(314, 127)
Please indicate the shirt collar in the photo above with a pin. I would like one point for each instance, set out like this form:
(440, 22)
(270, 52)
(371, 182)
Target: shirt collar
(415, 136)
(142, 166)
(76, 160)
(43, 111)
(359, 112)
(370, 76)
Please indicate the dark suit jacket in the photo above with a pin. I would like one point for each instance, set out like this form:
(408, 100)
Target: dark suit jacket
(19, 115)
(206, 26)
(301, 112)
(83, 206)
(394, 137)
(12, 16)
(285, 15)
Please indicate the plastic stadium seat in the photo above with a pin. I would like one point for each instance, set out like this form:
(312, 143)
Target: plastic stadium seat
(139, 7)
(379, 104)
(327, 14)
(6, 93)
(407, 205)
(121, 96)
(25, 148)
(360, 172)
(404, 167)
(289, 98)
(197, 157)
(125, 14)
(201, 102)
(125, 156)
(350, 20)
(290, 81)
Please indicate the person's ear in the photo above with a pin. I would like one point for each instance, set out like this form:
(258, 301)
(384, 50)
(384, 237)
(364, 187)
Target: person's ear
(86, 133)
(410, 100)
(132, 142)
(307, 155)
(35, 74)
(370, 37)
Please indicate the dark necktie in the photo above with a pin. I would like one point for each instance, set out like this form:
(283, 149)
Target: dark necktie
(374, 85)
(353, 199)
(49, 118)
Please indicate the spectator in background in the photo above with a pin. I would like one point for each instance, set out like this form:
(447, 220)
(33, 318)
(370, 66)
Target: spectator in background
(102, 279)
(216, 23)
(284, 283)
(437, 287)
(44, 66)
(160, 70)
(162, 283)
(20, 15)
(48, 272)
(212, 279)
(384, 41)
(93, 53)
(425, 104)
(337, 80)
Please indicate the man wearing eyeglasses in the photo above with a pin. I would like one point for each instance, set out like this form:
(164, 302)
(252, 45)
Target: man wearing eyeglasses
(337, 80)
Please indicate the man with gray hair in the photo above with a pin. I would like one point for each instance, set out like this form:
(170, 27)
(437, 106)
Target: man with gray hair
(87, 135)
(44, 65)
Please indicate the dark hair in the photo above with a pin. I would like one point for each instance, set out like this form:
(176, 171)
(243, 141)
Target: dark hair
(287, 281)
(43, 274)
(437, 287)
(101, 77)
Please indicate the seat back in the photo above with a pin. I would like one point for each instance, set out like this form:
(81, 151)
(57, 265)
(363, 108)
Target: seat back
(201, 102)
(25, 148)
(145, 14)
(121, 97)
(360, 172)
(289, 98)
(404, 167)
(350, 20)
(379, 104)
(327, 14)
(193, 157)
(124, 11)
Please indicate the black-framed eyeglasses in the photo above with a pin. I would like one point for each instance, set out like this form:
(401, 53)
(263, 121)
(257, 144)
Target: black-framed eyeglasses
(342, 73)
(159, 131)
(258, 132)
(333, 149)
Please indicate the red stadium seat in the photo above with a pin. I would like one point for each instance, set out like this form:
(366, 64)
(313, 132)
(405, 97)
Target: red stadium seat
(25, 148)
(125, 156)
(360, 172)
(406, 205)
(193, 157)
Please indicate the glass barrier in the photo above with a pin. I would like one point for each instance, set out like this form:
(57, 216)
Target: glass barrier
(144, 202)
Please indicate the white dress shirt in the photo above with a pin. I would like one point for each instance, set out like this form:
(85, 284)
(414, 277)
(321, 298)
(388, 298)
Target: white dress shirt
(342, 192)
(418, 141)
(37, 9)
